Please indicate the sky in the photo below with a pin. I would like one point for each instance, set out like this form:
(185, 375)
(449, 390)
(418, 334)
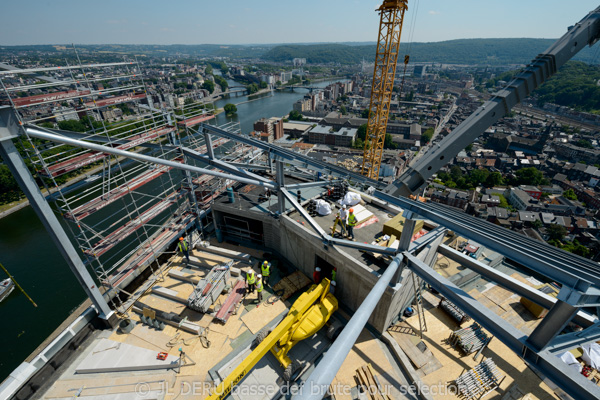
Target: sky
(276, 21)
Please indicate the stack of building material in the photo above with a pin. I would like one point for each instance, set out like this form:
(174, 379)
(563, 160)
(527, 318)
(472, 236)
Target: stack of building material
(470, 339)
(291, 284)
(370, 384)
(477, 382)
(209, 288)
(228, 308)
(395, 225)
(452, 310)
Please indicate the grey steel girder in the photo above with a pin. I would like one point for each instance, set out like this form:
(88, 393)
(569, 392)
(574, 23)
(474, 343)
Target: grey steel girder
(315, 387)
(292, 157)
(585, 32)
(539, 257)
(572, 382)
(300, 186)
(9, 129)
(581, 318)
(141, 157)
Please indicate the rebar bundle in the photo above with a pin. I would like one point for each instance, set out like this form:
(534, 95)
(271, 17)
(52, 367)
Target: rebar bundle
(480, 380)
(470, 339)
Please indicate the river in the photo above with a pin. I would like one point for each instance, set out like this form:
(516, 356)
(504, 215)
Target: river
(27, 251)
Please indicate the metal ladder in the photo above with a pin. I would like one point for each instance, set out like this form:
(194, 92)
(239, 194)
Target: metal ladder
(419, 304)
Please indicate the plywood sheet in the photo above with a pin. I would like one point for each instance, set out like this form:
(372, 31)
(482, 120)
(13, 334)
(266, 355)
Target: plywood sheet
(98, 386)
(162, 304)
(259, 317)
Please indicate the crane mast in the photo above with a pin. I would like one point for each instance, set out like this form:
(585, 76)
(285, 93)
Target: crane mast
(390, 28)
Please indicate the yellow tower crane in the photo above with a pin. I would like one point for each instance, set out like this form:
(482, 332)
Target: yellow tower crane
(390, 28)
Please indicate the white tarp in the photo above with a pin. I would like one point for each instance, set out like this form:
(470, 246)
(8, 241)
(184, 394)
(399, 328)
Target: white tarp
(323, 207)
(571, 361)
(591, 355)
(350, 199)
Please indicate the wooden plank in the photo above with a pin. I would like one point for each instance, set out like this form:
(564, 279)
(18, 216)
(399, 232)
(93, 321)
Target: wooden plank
(261, 316)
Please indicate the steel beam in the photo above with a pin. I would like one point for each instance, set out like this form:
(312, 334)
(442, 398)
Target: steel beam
(553, 323)
(573, 340)
(293, 157)
(222, 165)
(494, 237)
(291, 198)
(209, 148)
(572, 382)
(9, 129)
(315, 387)
(581, 318)
(141, 157)
(300, 186)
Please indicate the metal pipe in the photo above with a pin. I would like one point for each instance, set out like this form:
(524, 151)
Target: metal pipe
(318, 382)
(141, 157)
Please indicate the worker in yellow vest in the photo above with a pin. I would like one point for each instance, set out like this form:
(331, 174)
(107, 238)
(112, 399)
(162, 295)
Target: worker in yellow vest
(351, 223)
(250, 280)
(265, 268)
(184, 248)
(259, 287)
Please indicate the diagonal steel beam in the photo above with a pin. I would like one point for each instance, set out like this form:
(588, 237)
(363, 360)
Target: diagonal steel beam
(292, 199)
(572, 382)
(141, 157)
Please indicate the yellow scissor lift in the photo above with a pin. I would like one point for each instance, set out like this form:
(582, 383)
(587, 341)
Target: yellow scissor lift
(308, 314)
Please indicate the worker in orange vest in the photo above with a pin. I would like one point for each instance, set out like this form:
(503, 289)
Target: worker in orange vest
(184, 248)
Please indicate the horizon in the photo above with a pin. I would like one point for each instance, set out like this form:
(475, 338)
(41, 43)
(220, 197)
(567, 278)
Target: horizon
(365, 43)
(190, 22)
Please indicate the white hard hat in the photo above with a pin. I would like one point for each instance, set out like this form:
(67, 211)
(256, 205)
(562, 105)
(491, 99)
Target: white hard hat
(344, 206)
(259, 276)
(318, 269)
(333, 283)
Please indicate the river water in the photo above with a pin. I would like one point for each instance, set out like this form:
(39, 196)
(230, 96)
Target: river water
(27, 251)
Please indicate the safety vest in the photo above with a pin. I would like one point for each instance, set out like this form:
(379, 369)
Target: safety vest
(251, 278)
(333, 274)
(351, 220)
(259, 286)
(184, 247)
(266, 269)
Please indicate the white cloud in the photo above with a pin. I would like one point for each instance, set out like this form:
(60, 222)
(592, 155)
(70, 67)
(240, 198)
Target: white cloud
(434, 12)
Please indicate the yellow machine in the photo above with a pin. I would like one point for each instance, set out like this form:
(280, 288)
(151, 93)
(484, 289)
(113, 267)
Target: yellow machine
(308, 314)
(390, 28)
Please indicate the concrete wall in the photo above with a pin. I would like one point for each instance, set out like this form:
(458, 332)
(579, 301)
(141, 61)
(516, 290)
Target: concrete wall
(300, 246)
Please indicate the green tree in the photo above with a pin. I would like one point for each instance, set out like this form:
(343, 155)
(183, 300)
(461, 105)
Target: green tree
(208, 70)
(530, 176)
(494, 179)
(469, 147)
(556, 232)
(188, 100)
(478, 176)
(362, 132)
(584, 143)
(455, 172)
(388, 142)
(537, 224)
(503, 201)
(570, 194)
(252, 88)
(427, 135)
(295, 116)
(230, 109)
(209, 85)
(364, 113)
(263, 85)
(343, 110)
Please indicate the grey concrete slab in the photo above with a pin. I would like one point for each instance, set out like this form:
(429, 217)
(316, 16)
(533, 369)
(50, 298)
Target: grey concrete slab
(111, 356)
(168, 293)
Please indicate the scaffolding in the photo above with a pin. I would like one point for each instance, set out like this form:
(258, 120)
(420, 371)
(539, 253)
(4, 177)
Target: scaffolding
(122, 214)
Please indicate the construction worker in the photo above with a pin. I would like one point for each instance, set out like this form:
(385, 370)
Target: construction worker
(250, 280)
(184, 248)
(333, 274)
(259, 287)
(317, 275)
(351, 224)
(343, 220)
(265, 268)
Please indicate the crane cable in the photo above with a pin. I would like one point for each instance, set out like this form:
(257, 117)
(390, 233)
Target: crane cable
(409, 44)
